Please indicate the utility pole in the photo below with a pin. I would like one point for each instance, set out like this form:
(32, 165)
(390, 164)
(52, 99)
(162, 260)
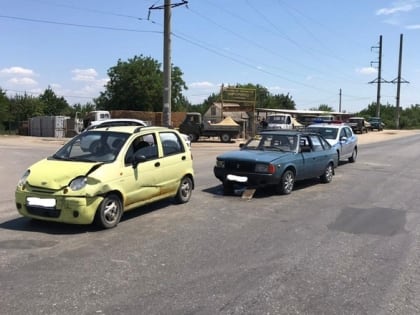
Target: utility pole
(398, 81)
(167, 69)
(379, 79)
(167, 66)
(339, 102)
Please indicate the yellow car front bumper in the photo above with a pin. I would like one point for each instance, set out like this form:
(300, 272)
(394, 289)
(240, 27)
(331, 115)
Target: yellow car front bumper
(67, 209)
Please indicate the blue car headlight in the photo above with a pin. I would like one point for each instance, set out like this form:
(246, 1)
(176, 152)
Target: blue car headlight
(265, 168)
(220, 163)
(78, 183)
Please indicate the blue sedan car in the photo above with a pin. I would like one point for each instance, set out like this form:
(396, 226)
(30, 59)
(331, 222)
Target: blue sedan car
(277, 158)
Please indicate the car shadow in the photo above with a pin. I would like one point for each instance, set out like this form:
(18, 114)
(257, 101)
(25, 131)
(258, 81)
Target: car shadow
(54, 228)
(343, 162)
(57, 228)
(217, 190)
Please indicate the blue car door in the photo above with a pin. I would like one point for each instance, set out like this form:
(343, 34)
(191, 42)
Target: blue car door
(320, 156)
(309, 160)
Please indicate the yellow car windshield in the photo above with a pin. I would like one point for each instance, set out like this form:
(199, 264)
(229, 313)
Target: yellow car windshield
(93, 146)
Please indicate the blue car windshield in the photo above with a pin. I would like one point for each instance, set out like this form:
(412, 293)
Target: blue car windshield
(92, 146)
(272, 142)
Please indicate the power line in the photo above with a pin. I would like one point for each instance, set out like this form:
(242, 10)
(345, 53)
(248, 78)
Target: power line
(201, 45)
(77, 25)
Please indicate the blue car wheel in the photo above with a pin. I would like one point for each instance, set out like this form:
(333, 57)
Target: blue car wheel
(287, 182)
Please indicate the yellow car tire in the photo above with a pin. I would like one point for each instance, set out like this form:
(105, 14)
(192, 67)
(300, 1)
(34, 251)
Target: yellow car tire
(109, 212)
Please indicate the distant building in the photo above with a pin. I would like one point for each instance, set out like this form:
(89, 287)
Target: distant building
(215, 113)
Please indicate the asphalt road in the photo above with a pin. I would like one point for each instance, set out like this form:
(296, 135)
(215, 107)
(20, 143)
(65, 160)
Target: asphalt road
(348, 247)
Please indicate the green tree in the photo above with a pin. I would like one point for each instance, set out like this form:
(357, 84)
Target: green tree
(137, 84)
(281, 101)
(410, 117)
(213, 98)
(53, 105)
(23, 107)
(324, 108)
(81, 110)
(387, 114)
(5, 115)
(181, 104)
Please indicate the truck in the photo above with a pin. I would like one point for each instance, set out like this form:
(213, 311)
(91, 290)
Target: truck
(279, 121)
(194, 126)
(359, 124)
(95, 115)
(376, 123)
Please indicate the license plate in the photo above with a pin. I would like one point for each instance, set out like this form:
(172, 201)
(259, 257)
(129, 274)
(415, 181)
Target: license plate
(41, 202)
(235, 178)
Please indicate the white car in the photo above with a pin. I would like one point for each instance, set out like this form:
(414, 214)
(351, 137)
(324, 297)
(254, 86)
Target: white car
(340, 136)
(112, 122)
(187, 139)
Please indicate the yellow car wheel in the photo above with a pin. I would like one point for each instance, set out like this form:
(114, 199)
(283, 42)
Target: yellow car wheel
(185, 190)
(109, 212)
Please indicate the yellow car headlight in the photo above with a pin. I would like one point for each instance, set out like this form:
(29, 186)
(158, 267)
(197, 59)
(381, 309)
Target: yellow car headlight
(22, 180)
(78, 183)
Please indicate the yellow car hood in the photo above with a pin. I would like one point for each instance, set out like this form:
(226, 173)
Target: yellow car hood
(55, 174)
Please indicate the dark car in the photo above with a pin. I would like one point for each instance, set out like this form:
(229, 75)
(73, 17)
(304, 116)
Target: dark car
(376, 123)
(277, 158)
(359, 124)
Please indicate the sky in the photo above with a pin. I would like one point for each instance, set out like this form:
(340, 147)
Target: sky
(319, 52)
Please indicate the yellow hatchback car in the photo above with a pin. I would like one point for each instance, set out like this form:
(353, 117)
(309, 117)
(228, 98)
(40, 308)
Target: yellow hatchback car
(103, 172)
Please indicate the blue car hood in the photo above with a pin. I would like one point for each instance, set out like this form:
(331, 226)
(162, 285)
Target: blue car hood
(255, 155)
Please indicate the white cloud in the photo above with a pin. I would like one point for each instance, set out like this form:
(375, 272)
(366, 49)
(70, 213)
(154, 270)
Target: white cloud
(22, 81)
(367, 70)
(17, 71)
(413, 27)
(55, 86)
(204, 84)
(400, 6)
(278, 89)
(86, 75)
(18, 76)
(199, 91)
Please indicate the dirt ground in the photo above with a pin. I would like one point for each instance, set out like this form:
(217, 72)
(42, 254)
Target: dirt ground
(377, 136)
(373, 136)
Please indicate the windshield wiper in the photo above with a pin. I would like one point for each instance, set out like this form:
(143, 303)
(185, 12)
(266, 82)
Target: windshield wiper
(62, 158)
(73, 159)
(84, 160)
